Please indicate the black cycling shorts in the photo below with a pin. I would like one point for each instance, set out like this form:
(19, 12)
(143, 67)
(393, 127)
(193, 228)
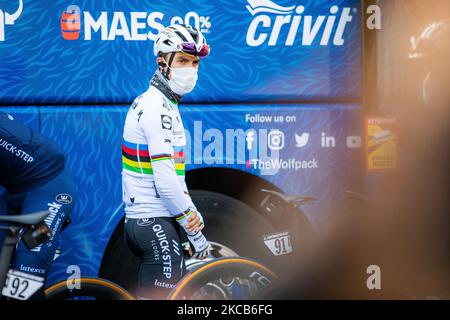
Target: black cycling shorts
(157, 242)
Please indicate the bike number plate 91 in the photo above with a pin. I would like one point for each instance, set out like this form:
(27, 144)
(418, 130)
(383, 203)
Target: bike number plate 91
(279, 243)
(21, 285)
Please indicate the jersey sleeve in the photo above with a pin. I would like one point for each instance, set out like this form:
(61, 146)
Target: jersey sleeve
(188, 197)
(156, 123)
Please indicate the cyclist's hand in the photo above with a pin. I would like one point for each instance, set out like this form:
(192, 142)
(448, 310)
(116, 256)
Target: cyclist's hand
(195, 222)
(200, 245)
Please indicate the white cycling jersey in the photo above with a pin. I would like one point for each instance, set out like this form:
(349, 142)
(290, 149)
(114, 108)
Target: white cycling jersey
(153, 165)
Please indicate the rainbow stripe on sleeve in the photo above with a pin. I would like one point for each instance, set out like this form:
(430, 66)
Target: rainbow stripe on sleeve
(136, 158)
(179, 159)
(159, 157)
(183, 215)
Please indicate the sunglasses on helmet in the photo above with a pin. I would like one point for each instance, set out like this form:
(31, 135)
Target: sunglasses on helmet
(190, 48)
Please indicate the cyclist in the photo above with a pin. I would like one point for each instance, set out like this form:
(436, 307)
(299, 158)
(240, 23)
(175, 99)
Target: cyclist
(33, 179)
(156, 199)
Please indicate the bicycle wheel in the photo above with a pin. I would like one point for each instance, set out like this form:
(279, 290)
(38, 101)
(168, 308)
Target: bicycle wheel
(224, 279)
(90, 288)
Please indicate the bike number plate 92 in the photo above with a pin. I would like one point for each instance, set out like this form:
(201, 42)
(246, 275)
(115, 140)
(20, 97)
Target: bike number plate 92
(21, 285)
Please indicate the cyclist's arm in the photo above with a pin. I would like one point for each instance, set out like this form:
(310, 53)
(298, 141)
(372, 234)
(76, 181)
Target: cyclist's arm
(188, 196)
(191, 203)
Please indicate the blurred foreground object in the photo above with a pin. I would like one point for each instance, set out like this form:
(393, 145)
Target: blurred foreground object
(401, 222)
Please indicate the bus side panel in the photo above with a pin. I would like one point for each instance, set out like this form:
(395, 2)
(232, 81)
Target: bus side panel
(108, 58)
(308, 149)
(323, 165)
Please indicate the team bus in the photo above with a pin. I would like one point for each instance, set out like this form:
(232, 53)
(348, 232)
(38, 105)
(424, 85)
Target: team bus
(278, 106)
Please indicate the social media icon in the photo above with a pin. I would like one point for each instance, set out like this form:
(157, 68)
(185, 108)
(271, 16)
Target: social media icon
(354, 142)
(327, 141)
(301, 140)
(275, 140)
(250, 138)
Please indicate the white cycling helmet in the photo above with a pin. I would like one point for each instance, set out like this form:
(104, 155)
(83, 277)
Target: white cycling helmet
(181, 38)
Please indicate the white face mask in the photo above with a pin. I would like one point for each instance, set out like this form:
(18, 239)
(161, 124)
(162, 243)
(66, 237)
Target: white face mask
(183, 80)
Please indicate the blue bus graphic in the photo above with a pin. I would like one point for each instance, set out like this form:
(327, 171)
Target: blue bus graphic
(277, 104)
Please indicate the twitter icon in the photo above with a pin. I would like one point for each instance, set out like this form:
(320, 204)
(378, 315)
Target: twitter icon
(301, 140)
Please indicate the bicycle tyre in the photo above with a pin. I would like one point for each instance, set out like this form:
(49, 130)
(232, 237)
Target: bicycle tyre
(98, 288)
(222, 267)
